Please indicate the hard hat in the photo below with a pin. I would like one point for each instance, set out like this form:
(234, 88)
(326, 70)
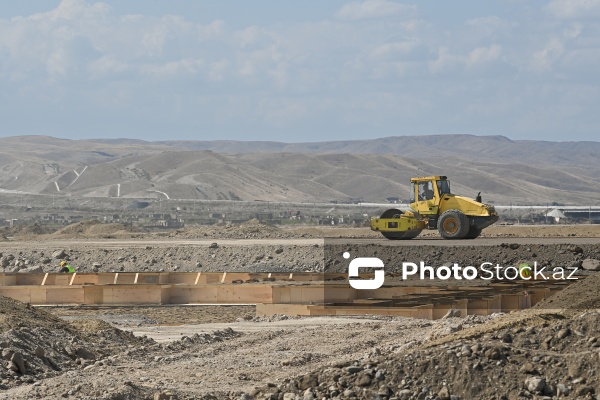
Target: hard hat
(63, 262)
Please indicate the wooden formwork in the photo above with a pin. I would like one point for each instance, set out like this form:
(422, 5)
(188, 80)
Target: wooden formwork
(274, 293)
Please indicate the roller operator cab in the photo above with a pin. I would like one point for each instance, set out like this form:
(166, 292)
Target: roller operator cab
(433, 206)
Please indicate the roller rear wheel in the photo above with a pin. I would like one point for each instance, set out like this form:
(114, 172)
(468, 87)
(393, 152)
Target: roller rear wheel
(453, 224)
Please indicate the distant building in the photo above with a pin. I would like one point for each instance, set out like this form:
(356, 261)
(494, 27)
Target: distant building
(557, 215)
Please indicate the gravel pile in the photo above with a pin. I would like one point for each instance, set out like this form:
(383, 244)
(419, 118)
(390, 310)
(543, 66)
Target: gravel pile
(543, 353)
(36, 345)
(557, 359)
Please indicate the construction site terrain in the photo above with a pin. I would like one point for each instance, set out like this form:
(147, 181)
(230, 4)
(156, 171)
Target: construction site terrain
(228, 314)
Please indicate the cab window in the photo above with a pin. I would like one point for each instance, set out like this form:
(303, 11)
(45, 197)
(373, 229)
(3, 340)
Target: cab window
(425, 191)
(443, 187)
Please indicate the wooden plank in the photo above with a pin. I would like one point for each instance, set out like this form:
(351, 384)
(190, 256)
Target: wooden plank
(126, 278)
(37, 294)
(28, 279)
(61, 279)
(205, 294)
(45, 277)
(58, 295)
(129, 294)
(72, 278)
(93, 294)
(20, 293)
(87, 279)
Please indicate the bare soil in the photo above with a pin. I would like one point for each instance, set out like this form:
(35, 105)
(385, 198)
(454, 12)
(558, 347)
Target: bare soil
(255, 229)
(217, 352)
(549, 351)
(163, 315)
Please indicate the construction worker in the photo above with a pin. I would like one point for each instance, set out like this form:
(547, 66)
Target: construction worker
(65, 267)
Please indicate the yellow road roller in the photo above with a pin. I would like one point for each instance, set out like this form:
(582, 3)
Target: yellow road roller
(433, 206)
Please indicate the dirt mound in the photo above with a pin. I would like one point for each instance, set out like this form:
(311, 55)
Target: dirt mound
(558, 358)
(582, 295)
(24, 232)
(550, 351)
(85, 229)
(256, 226)
(96, 229)
(14, 314)
(252, 229)
(36, 345)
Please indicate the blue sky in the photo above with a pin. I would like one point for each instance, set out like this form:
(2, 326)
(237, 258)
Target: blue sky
(300, 71)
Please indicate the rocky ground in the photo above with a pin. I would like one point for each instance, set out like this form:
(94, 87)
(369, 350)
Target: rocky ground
(226, 363)
(36, 345)
(91, 246)
(269, 256)
(548, 352)
(94, 229)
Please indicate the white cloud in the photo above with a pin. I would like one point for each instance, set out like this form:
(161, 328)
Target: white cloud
(154, 40)
(107, 65)
(491, 25)
(572, 31)
(217, 70)
(311, 75)
(542, 60)
(574, 8)
(387, 50)
(367, 9)
(175, 69)
(483, 55)
(444, 61)
(74, 9)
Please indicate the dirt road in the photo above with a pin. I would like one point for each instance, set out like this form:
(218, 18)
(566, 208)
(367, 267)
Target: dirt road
(430, 241)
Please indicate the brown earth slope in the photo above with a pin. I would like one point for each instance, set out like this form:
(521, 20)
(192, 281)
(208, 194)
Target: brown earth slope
(508, 172)
(551, 351)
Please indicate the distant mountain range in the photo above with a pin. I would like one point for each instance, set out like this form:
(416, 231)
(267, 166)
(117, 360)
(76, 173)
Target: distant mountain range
(505, 171)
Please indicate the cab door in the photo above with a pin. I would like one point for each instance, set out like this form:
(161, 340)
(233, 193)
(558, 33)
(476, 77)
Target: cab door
(427, 198)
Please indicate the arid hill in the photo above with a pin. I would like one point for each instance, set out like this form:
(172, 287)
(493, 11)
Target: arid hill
(505, 171)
